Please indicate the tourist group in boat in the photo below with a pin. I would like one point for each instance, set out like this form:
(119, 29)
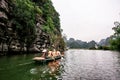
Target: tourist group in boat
(48, 55)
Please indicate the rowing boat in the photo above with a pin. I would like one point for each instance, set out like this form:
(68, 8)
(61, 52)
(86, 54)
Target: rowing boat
(41, 59)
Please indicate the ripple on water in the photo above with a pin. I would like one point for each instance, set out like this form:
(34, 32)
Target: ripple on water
(92, 65)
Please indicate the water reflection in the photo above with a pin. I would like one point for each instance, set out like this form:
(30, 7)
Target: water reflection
(53, 66)
(50, 71)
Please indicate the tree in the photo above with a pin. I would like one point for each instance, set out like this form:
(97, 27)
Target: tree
(115, 41)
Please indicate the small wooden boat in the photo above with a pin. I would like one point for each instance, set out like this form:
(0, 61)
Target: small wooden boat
(41, 59)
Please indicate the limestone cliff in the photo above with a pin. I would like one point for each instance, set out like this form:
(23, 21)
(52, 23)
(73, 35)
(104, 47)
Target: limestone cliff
(29, 25)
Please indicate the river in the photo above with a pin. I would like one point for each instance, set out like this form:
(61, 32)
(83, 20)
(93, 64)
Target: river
(77, 64)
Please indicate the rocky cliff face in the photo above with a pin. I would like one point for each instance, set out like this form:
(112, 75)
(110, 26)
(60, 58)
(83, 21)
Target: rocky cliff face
(22, 31)
(4, 10)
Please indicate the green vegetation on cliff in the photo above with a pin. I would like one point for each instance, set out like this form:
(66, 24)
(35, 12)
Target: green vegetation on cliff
(52, 21)
(24, 12)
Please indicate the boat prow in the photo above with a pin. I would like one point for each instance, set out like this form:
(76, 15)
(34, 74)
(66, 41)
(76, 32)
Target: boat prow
(38, 58)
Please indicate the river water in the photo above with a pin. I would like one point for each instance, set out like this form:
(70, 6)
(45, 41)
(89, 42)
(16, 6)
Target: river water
(77, 64)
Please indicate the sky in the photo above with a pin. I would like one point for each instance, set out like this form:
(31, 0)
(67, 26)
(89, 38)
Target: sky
(88, 20)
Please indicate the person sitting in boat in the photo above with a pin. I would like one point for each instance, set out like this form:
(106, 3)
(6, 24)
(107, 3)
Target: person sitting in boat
(50, 54)
(56, 53)
(44, 53)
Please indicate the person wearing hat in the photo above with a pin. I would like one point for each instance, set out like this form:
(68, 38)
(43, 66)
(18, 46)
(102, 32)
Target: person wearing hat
(44, 53)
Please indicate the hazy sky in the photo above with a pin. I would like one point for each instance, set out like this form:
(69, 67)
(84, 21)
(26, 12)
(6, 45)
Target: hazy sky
(88, 19)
